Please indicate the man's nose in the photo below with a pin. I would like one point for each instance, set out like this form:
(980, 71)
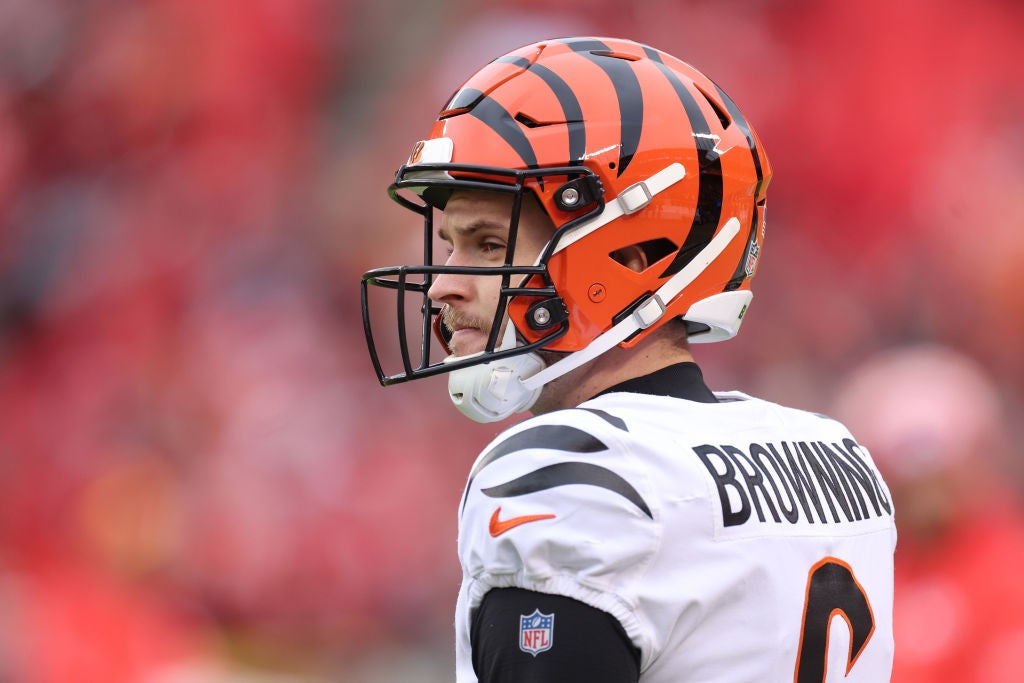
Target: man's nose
(448, 287)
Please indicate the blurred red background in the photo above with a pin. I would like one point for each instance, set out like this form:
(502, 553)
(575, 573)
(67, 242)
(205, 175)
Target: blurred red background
(200, 478)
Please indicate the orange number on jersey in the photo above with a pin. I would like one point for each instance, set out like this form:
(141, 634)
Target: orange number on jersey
(831, 589)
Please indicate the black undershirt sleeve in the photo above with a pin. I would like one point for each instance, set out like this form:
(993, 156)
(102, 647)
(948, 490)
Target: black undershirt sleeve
(586, 644)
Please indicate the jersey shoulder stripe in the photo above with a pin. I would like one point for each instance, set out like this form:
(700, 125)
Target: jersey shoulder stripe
(616, 422)
(564, 474)
(556, 437)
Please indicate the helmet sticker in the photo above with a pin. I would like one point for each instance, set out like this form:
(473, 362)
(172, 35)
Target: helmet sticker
(752, 254)
(435, 151)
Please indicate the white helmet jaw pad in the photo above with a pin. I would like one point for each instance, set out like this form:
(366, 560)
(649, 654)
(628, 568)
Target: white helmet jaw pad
(493, 391)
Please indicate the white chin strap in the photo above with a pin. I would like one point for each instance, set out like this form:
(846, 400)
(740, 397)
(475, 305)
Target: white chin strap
(493, 391)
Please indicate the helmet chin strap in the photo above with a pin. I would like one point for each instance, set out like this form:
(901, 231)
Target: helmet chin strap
(496, 390)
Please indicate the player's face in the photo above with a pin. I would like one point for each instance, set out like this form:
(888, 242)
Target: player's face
(475, 225)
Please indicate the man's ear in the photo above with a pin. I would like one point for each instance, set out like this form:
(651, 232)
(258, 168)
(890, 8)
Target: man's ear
(633, 257)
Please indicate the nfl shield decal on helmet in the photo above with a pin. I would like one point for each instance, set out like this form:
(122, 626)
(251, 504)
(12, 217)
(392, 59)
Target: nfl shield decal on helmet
(752, 254)
(536, 632)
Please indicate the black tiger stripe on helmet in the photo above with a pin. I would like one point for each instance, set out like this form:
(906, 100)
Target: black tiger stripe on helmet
(627, 90)
(708, 213)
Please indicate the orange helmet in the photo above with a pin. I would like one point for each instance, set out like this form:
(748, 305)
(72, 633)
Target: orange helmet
(622, 145)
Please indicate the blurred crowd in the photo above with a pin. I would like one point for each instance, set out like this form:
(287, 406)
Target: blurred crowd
(200, 478)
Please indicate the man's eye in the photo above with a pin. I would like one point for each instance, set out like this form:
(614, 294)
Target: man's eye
(492, 247)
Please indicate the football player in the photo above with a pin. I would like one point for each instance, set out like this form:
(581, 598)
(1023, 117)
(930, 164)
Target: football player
(598, 206)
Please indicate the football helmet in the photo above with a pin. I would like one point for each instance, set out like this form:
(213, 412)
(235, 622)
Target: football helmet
(623, 146)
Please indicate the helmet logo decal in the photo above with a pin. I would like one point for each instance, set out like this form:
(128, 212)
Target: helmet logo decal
(417, 153)
(627, 90)
(752, 252)
(434, 151)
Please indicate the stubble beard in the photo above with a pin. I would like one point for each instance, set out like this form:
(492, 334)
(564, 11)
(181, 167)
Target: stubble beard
(454, 320)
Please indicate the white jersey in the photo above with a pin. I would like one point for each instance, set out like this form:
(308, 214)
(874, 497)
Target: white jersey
(733, 541)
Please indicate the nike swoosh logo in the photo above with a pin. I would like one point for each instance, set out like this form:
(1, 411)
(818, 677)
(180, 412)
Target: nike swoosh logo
(499, 526)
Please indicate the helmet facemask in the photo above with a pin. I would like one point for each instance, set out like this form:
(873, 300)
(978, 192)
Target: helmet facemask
(417, 321)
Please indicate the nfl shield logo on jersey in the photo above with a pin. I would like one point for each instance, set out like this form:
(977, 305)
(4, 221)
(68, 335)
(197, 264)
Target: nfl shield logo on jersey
(536, 632)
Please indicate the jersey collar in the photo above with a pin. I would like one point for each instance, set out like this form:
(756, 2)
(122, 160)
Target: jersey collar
(682, 380)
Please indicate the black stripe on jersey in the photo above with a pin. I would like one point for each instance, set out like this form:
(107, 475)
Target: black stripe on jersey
(710, 189)
(549, 437)
(741, 268)
(616, 422)
(501, 122)
(570, 108)
(627, 90)
(564, 474)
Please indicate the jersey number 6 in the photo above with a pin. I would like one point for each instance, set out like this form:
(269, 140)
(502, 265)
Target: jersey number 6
(831, 589)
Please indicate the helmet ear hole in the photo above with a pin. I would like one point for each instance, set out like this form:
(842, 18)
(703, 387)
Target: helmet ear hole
(652, 250)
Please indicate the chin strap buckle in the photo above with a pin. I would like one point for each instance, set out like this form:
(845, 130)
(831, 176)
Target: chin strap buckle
(649, 312)
(635, 197)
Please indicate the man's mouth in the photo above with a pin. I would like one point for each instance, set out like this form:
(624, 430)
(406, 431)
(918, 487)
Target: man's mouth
(467, 340)
(465, 334)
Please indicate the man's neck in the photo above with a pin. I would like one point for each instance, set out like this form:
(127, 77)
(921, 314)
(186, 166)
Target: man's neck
(612, 367)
